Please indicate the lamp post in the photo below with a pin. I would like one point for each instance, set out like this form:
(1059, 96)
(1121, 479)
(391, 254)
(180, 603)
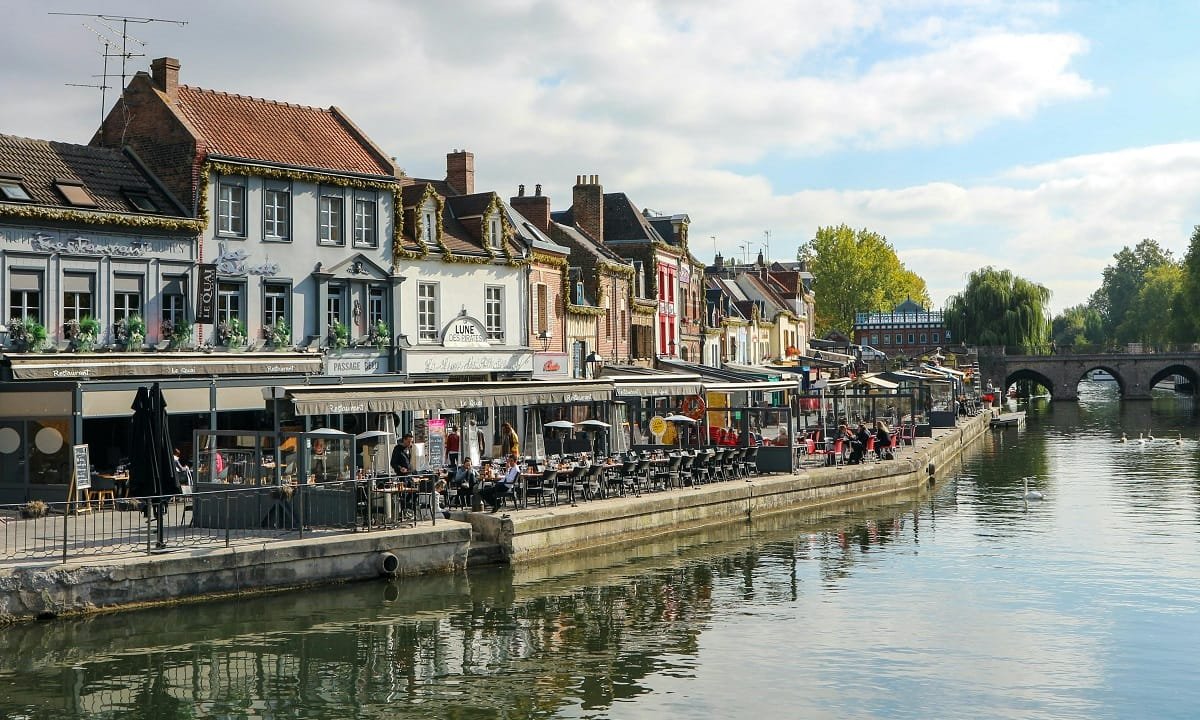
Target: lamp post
(595, 363)
(545, 337)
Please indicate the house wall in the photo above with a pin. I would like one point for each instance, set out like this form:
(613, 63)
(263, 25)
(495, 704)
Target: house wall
(552, 277)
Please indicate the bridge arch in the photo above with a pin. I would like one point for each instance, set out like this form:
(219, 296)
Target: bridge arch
(1176, 369)
(1111, 369)
(1020, 373)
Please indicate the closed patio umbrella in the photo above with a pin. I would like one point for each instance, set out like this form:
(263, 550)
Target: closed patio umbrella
(151, 465)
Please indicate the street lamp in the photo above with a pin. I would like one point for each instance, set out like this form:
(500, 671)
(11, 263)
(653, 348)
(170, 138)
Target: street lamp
(545, 337)
(595, 363)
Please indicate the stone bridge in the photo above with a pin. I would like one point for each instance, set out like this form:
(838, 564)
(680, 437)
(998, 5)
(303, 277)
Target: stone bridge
(1135, 373)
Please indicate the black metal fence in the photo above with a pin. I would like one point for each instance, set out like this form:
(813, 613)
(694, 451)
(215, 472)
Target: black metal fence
(211, 516)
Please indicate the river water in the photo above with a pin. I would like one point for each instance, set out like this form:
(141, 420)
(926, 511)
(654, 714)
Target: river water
(961, 601)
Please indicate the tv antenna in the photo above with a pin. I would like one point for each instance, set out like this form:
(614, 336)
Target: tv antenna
(767, 244)
(110, 43)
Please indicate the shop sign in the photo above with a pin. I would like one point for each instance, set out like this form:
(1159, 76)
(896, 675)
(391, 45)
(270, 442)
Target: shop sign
(206, 294)
(464, 331)
(551, 366)
(466, 362)
(355, 365)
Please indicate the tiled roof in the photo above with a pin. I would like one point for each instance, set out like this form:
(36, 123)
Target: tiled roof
(105, 174)
(239, 126)
(577, 242)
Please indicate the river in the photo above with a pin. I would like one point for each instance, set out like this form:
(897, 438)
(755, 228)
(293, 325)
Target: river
(959, 601)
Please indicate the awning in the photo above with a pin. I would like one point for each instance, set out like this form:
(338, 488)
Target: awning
(760, 386)
(111, 365)
(879, 382)
(339, 399)
(656, 385)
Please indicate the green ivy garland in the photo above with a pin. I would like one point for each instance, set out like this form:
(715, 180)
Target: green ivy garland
(101, 218)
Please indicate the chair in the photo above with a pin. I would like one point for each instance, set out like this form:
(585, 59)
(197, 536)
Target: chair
(686, 463)
(592, 482)
(565, 482)
(869, 450)
(733, 461)
(102, 489)
(539, 487)
(699, 469)
(750, 461)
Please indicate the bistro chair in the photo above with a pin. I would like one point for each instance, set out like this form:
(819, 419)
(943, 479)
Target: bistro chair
(565, 483)
(750, 461)
(538, 488)
(686, 463)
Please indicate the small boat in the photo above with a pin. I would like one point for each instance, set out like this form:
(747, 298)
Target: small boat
(1010, 419)
(1101, 376)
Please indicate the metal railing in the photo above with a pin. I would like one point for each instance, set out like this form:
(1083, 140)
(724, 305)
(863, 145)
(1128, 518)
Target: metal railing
(65, 531)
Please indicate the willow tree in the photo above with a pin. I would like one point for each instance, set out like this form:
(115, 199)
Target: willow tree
(856, 271)
(999, 308)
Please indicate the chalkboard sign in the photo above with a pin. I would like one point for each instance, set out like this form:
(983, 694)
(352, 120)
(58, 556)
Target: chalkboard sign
(437, 443)
(83, 467)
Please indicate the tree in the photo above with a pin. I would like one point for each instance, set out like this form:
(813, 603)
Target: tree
(999, 308)
(1120, 286)
(1077, 325)
(856, 271)
(1187, 317)
(1151, 318)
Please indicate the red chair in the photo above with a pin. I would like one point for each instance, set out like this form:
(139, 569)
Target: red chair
(869, 450)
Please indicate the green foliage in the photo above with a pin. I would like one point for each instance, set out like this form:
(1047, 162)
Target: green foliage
(339, 334)
(1187, 315)
(280, 334)
(1152, 317)
(856, 271)
(232, 333)
(1120, 287)
(381, 335)
(26, 334)
(999, 308)
(1077, 325)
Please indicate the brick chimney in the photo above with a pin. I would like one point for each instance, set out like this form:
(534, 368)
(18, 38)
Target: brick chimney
(460, 171)
(588, 205)
(535, 208)
(165, 73)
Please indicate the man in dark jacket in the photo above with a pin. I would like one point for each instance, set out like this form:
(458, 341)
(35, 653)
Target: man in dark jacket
(858, 446)
(402, 456)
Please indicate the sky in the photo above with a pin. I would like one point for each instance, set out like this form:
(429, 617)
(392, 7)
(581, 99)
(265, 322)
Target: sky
(1036, 136)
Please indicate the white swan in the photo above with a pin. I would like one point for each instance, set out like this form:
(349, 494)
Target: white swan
(1031, 494)
(1141, 439)
(1179, 438)
(1123, 438)
(1150, 436)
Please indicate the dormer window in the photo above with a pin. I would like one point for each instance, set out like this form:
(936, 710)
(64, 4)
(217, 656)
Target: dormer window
(12, 189)
(494, 234)
(74, 193)
(428, 225)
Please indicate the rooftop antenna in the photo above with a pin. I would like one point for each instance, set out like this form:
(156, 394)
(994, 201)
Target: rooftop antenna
(767, 244)
(125, 53)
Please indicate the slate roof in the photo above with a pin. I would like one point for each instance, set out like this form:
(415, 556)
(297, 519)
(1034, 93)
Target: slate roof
(623, 222)
(576, 242)
(105, 174)
(239, 126)
(461, 224)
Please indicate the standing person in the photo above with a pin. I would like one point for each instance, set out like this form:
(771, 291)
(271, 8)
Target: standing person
(453, 442)
(402, 456)
(509, 444)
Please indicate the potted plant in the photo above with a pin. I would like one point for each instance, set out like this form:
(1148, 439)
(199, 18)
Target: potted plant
(339, 336)
(280, 334)
(130, 332)
(26, 334)
(34, 509)
(232, 334)
(176, 334)
(83, 333)
(381, 335)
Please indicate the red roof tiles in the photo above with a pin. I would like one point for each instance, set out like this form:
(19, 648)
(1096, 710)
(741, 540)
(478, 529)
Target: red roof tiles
(238, 126)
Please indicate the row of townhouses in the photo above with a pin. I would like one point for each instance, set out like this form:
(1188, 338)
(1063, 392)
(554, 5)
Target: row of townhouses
(266, 243)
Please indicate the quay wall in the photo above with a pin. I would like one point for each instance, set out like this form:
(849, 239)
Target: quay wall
(551, 530)
(98, 584)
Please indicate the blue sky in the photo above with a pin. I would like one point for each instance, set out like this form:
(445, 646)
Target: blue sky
(1037, 136)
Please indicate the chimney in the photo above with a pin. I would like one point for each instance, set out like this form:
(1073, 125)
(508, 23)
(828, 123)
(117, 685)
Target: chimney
(165, 73)
(588, 205)
(535, 208)
(460, 171)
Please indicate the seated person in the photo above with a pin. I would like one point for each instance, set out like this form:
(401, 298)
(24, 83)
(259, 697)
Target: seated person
(439, 487)
(465, 482)
(494, 493)
(883, 439)
(858, 445)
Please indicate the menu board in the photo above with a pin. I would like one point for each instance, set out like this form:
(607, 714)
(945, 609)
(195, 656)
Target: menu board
(83, 467)
(436, 443)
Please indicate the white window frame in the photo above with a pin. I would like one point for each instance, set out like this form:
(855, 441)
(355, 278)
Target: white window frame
(376, 305)
(174, 305)
(77, 305)
(366, 228)
(493, 312)
(429, 213)
(226, 291)
(231, 208)
(335, 305)
(277, 303)
(427, 311)
(330, 224)
(126, 303)
(495, 233)
(277, 213)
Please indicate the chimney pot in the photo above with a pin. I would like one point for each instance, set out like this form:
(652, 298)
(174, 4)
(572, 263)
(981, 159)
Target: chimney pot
(164, 71)
(521, 190)
(588, 206)
(537, 190)
(460, 171)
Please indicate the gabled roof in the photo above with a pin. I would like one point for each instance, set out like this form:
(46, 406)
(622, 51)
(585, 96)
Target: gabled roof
(462, 223)
(243, 127)
(576, 242)
(108, 176)
(623, 222)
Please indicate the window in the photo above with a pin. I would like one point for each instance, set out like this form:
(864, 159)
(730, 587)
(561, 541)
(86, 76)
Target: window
(494, 234)
(427, 310)
(935, 338)
(13, 190)
(335, 305)
(541, 309)
(75, 194)
(364, 222)
(330, 220)
(493, 312)
(25, 295)
(376, 306)
(912, 339)
(874, 339)
(428, 229)
(899, 339)
(141, 201)
(77, 296)
(174, 300)
(639, 279)
(624, 325)
(276, 214)
(231, 209)
(887, 339)
(924, 339)
(127, 296)
(229, 302)
(275, 304)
